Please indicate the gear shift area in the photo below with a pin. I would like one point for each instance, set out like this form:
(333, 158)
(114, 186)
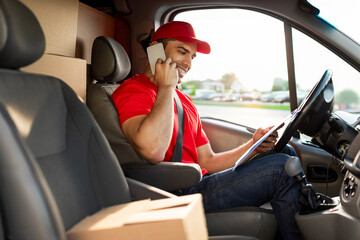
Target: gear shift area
(310, 200)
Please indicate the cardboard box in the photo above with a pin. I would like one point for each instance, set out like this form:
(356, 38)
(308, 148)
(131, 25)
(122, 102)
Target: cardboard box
(70, 70)
(179, 218)
(91, 24)
(58, 19)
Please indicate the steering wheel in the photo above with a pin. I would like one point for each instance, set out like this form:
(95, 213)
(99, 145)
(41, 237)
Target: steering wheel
(312, 113)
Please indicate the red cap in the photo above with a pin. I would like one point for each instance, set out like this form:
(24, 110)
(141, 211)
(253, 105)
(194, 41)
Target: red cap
(181, 31)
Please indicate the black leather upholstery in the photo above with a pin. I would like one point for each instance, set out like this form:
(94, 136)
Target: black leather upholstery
(3, 30)
(249, 221)
(25, 41)
(110, 66)
(26, 201)
(109, 60)
(100, 104)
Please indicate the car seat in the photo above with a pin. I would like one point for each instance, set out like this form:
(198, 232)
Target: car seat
(56, 166)
(168, 176)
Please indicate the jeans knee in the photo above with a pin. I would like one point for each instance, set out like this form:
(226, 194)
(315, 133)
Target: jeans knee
(282, 158)
(275, 162)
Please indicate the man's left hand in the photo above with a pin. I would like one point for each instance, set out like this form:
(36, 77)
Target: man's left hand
(268, 143)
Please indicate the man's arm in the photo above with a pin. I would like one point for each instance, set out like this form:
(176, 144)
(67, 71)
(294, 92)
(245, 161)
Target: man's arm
(216, 162)
(150, 135)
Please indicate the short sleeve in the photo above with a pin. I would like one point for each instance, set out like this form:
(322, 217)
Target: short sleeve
(201, 138)
(132, 100)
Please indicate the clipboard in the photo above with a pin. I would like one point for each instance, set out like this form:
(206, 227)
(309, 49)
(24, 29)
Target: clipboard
(258, 142)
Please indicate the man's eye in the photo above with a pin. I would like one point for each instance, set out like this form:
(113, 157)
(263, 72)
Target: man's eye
(182, 52)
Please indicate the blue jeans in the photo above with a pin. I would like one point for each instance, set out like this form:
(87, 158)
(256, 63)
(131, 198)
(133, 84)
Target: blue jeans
(254, 183)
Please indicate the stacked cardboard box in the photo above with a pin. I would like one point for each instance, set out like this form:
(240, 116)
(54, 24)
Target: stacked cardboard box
(59, 20)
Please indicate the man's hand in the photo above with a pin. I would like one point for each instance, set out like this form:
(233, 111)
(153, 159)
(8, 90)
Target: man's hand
(166, 74)
(268, 143)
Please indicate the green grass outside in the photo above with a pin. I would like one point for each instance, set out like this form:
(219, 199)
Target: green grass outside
(247, 105)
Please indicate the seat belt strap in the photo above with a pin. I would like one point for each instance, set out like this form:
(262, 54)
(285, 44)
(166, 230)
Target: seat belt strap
(177, 155)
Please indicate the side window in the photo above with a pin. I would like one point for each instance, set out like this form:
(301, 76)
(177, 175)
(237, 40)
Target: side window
(244, 78)
(312, 59)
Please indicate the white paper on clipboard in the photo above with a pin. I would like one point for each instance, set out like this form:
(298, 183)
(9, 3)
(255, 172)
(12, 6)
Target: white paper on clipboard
(258, 142)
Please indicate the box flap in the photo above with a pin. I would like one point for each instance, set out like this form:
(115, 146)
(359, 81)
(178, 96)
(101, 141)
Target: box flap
(164, 209)
(110, 217)
(172, 202)
(172, 213)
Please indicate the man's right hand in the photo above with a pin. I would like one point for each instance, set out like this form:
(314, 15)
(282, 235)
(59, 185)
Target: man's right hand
(166, 74)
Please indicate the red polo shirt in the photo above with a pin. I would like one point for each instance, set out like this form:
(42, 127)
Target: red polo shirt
(137, 95)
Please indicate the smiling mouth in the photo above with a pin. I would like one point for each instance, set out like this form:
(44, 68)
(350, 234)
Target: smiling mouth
(181, 71)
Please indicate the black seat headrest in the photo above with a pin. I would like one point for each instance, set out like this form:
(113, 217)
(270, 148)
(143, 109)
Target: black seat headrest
(24, 41)
(3, 30)
(109, 60)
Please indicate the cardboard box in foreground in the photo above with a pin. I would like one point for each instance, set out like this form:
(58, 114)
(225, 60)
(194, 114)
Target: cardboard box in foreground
(179, 218)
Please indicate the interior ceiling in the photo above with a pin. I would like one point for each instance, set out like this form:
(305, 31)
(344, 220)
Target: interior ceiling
(106, 6)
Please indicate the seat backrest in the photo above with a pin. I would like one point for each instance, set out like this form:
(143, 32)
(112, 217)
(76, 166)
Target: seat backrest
(59, 143)
(26, 201)
(110, 65)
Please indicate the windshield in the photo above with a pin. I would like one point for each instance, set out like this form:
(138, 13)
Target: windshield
(344, 15)
(246, 78)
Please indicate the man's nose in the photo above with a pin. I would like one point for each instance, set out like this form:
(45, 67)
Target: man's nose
(187, 62)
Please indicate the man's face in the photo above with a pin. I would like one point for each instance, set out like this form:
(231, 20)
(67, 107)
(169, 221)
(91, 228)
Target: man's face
(182, 53)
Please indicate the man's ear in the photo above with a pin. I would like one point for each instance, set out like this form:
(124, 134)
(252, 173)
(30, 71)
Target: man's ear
(153, 43)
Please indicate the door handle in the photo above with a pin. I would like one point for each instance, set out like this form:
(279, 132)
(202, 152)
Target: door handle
(319, 173)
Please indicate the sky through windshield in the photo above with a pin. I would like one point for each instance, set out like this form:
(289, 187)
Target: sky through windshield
(254, 41)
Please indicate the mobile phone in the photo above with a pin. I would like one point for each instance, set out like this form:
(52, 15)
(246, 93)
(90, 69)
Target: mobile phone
(155, 52)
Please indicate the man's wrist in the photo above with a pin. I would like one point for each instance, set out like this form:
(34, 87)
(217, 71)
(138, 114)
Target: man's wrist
(166, 87)
(251, 143)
